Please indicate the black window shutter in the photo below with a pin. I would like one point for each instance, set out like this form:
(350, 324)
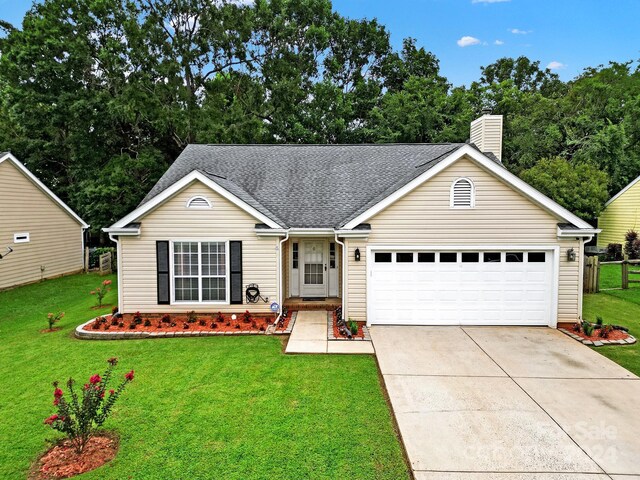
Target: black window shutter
(235, 258)
(162, 268)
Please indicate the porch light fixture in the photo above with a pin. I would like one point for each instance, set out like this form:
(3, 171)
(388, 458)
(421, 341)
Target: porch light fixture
(571, 255)
(357, 254)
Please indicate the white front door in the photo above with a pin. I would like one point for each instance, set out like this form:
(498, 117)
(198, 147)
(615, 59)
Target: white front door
(314, 269)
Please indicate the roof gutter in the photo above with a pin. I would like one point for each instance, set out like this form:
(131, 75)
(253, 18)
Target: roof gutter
(578, 232)
(121, 232)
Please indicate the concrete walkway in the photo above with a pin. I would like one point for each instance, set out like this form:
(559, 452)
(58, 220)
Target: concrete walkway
(509, 403)
(309, 335)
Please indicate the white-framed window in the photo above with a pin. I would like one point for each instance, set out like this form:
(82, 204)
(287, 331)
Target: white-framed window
(463, 194)
(198, 202)
(200, 271)
(22, 237)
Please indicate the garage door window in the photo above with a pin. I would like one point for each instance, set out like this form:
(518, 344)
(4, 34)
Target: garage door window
(404, 257)
(536, 257)
(492, 257)
(426, 257)
(448, 257)
(470, 257)
(514, 257)
(383, 257)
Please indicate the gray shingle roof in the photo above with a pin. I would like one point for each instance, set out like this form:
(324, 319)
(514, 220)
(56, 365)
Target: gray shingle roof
(307, 185)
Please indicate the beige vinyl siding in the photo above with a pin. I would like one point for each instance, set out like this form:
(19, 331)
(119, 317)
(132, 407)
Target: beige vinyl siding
(173, 221)
(620, 216)
(356, 304)
(501, 217)
(55, 237)
(486, 134)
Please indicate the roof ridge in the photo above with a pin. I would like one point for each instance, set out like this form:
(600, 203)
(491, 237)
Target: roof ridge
(423, 144)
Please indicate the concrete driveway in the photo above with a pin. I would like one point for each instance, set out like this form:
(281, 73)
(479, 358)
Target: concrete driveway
(478, 403)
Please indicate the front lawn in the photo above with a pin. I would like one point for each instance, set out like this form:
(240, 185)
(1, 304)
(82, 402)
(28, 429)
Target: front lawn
(199, 408)
(619, 307)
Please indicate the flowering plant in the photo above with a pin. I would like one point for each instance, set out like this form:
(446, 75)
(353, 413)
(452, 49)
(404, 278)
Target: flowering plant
(102, 291)
(54, 318)
(85, 411)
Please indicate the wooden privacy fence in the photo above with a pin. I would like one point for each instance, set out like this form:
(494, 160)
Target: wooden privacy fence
(591, 275)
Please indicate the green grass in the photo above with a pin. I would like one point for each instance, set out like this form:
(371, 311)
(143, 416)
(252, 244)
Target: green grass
(216, 407)
(620, 308)
(611, 277)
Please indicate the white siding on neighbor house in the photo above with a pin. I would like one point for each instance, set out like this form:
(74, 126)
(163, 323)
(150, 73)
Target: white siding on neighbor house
(501, 216)
(55, 238)
(173, 221)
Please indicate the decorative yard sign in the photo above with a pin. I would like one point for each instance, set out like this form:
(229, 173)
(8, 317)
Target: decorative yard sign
(275, 307)
(105, 263)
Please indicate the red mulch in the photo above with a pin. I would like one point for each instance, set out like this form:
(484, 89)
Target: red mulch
(211, 323)
(336, 331)
(613, 335)
(63, 462)
(281, 327)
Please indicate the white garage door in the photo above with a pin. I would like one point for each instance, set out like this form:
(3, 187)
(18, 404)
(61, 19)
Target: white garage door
(424, 287)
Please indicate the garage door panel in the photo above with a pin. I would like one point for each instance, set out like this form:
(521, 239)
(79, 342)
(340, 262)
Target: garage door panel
(467, 293)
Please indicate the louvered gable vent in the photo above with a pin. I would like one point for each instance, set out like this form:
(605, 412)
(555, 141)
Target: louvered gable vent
(462, 194)
(198, 202)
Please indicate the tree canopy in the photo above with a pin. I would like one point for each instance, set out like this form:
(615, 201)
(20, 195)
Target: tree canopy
(98, 97)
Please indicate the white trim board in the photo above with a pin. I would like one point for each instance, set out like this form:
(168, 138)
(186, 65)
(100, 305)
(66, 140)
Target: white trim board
(615, 197)
(43, 187)
(180, 185)
(488, 164)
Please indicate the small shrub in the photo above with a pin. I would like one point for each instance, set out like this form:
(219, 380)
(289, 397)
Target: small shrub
(147, 323)
(587, 328)
(121, 324)
(114, 321)
(220, 318)
(214, 325)
(101, 291)
(107, 327)
(192, 317)
(53, 318)
(605, 331)
(254, 325)
(632, 245)
(96, 325)
(614, 252)
(353, 327)
(202, 322)
(599, 320)
(246, 316)
(237, 326)
(159, 325)
(166, 318)
(137, 318)
(261, 328)
(185, 326)
(228, 324)
(577, 327)
(88, 409)
(132, 326)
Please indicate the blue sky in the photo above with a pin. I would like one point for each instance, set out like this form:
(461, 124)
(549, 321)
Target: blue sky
(566, 34)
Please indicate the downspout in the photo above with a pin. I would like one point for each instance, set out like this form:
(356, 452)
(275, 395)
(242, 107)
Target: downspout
(344, 272)
(118, 260)
(584, 242)
(281, 289)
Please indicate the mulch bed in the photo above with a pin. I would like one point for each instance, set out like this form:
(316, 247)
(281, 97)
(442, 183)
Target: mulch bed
(613, 335)
(180, 323)
(336, 330)
(62, 461)
(282, 326)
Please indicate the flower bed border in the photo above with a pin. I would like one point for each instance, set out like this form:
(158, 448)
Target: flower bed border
(630, 340)
(330, 336)
(83, 334)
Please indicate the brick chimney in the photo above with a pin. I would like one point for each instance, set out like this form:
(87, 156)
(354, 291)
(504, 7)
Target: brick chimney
(486, 133)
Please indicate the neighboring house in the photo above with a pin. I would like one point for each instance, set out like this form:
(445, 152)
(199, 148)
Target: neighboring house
(620, 214)
(40, 236)
(399, 234)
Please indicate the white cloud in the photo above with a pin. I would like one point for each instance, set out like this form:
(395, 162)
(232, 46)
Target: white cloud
(517, 31)
(467, 41)
(489, 1)
(555, 65)
(498, 42)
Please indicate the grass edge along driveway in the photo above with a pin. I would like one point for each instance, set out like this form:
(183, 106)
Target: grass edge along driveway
(215, 407)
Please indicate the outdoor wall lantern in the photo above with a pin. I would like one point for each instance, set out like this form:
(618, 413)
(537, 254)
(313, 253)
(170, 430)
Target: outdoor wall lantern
(571, 255)
(357, 254)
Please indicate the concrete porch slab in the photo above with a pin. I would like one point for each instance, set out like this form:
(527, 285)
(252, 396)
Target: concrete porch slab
(543, 352)
(430, 351)
(600, 415)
